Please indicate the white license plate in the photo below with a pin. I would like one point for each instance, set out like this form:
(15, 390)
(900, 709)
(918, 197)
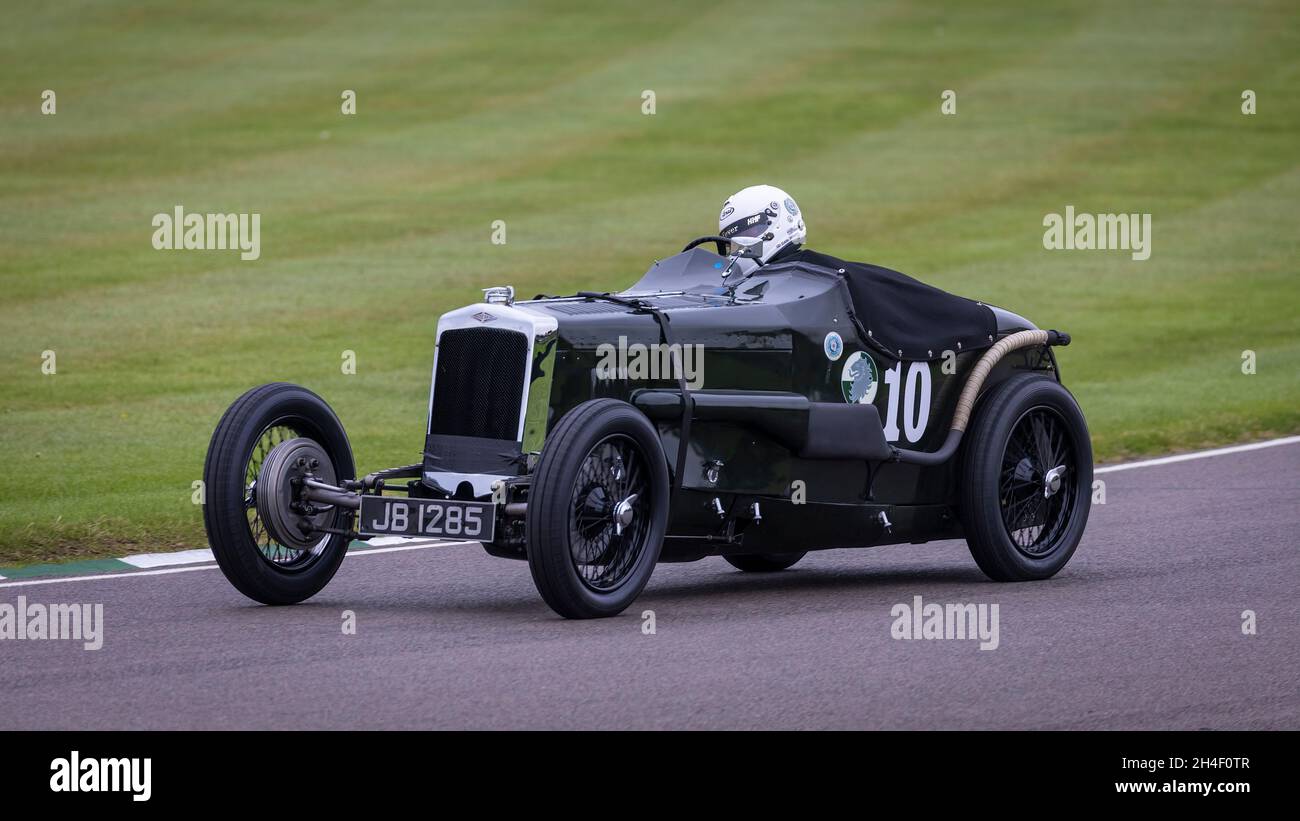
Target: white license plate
(428, 518)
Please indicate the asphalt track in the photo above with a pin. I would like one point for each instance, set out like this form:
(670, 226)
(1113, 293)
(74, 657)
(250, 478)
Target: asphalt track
(1143, 629)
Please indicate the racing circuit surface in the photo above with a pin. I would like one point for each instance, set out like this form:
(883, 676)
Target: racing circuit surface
(1143, 629)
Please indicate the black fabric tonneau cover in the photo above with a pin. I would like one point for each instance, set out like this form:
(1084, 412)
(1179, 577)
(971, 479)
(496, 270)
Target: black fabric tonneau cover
(901, 314)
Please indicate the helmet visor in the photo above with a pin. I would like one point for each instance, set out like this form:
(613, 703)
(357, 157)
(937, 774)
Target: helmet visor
(751, 226)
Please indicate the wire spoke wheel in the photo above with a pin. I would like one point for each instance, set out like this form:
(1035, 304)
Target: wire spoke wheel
(250, 494)
(278, 554)
(597, 510)
(608, 522)
(1036, 489)
(1026, 479)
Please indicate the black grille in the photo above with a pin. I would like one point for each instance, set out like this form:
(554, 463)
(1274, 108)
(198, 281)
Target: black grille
(479, 383)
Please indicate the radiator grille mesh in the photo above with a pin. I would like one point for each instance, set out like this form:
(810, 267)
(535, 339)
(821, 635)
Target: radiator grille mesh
(479, 383)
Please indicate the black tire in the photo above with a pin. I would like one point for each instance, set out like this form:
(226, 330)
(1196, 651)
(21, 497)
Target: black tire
(1014, 531)
(259, 567)
(599, 453)
(763, 562)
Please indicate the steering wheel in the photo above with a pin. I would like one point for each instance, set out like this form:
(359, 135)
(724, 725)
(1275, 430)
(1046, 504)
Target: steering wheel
(721, 242)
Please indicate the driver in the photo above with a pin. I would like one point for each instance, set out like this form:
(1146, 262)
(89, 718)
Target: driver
(763, 214)
(764, 225)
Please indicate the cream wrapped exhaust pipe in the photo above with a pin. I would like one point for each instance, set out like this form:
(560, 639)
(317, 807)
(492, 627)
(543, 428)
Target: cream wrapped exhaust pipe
(969, 393)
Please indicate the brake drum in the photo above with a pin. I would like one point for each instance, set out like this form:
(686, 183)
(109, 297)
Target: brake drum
(277, 495)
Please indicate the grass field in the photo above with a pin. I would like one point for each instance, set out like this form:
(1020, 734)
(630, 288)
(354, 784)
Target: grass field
(374, 224)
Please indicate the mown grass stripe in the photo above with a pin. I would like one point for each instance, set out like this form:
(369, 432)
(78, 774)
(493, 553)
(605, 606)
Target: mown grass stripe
(374, 224)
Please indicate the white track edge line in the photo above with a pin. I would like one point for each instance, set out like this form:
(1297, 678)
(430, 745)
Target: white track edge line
(401, 547)
(64, 579)
(1200, 454)
(168, 570)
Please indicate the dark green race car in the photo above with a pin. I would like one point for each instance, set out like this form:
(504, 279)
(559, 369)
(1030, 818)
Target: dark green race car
(716, 407)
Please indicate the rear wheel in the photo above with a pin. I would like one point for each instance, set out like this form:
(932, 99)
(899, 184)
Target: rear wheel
(263, 427)
(1026, 479)
(764, 562)
(597, 510)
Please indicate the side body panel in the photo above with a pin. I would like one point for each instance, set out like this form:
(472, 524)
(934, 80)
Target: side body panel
(793, 333)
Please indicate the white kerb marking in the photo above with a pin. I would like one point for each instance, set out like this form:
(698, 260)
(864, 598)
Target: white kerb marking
(148, 560)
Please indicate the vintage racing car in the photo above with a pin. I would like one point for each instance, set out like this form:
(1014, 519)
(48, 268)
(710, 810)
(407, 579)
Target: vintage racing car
(715, 407)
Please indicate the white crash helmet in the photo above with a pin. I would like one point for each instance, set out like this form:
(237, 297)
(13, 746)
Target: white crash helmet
(762, 213)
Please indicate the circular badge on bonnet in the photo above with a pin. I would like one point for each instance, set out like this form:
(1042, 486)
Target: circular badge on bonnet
(859, 379)
(833, 346)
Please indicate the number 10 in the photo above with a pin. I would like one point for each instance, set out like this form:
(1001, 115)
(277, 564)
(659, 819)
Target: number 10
(916, 401)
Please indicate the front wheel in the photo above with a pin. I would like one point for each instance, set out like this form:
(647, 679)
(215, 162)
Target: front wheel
(1026, 479)
(597, 510)
(264, 426)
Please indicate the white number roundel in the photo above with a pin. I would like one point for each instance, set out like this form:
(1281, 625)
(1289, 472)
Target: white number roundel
(915, 390)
